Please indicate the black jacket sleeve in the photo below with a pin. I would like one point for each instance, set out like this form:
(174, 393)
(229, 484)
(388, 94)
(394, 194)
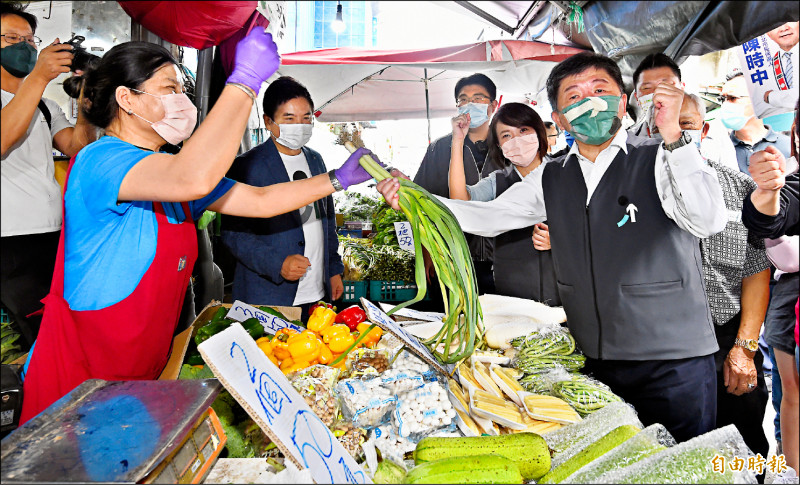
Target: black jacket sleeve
(787, 219)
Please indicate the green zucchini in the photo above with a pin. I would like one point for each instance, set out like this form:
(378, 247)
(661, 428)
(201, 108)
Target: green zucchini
(478, 469)
(528, 451)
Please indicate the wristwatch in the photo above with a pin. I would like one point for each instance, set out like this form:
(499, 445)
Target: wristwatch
(749, 344)
(335, 181)
(685, 139)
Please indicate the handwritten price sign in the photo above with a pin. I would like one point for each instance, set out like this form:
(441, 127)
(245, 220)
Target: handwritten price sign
(242, 311)
(269, 398)
(405, 238)
(381, 319)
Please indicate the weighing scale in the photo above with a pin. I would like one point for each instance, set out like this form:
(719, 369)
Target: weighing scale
(121, 432)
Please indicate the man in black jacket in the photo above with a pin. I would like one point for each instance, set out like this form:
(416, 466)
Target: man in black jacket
(474, 94)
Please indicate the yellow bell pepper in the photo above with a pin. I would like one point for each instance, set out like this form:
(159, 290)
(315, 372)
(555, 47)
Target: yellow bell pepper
(304, 346)
(295, 367)
(372, 338)
(286, 363)
(325, 354)
(321, 319)
(338, 338)
(280, 343)
(265, 345)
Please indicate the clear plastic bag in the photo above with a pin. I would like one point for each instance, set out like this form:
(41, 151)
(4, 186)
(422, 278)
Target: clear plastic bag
(365, 402)
(423, 411)
(584, 394)
(542, 382)
(399, 380)
(393, 446)
(316, 384)
(649, 441)
(407, 361)
(367, 361)
(693, 461)
(350, 437)
(566, 442)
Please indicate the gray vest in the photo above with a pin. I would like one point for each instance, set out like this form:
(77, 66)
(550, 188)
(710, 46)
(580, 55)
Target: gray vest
(631, 290)
(521, 270)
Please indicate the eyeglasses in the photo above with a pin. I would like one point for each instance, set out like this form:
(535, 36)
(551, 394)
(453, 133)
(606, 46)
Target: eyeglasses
(478, 98)
(727, 97)
(16, 39)
(552, 136)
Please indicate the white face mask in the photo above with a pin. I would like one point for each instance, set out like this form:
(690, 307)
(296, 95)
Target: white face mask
(294, 136)
(645, 101)
(696, 135)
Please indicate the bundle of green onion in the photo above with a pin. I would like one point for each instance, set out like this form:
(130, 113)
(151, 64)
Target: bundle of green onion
(435, 228)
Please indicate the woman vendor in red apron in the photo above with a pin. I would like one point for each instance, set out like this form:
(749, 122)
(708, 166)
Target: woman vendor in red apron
(128, 241)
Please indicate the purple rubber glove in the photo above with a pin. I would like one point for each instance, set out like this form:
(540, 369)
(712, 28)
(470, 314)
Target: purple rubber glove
(351, 172)
(256, 60)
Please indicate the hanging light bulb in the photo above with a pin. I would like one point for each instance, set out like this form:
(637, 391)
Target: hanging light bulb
(338, 25)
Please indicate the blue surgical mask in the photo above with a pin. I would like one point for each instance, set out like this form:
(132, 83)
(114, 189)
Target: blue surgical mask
(478, 113)
(569, 139)
(732, 116)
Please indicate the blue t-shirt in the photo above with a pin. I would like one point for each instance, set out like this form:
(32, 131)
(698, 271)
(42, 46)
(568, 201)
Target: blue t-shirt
(108, 247)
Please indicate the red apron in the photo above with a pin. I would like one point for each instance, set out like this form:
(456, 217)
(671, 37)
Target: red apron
(129, 340)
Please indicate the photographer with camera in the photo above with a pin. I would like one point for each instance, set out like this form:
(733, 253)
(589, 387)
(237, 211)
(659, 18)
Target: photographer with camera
(31, 198)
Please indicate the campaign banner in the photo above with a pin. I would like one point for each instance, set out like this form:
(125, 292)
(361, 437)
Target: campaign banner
(769, 63)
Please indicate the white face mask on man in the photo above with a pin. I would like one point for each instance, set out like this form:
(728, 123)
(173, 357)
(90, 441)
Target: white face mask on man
(295, 135)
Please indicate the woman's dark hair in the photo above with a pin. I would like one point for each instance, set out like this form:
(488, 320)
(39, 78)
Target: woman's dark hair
(654, 61)
(516, 115)
(480, 80)
(15, 8)
(577, 64)
(281, 90)
(129, 64)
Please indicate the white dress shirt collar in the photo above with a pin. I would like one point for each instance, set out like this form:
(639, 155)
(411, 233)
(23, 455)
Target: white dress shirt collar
(620, 141)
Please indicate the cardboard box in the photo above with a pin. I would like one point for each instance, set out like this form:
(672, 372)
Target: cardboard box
(181, 341)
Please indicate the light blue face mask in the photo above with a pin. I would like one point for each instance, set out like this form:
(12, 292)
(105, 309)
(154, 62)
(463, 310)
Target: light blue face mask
(478, 113)
(732, 116)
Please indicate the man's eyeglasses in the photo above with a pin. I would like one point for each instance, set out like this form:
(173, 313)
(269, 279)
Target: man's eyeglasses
(478, 98)
(552, 136)
(16, 39)
(727, 97)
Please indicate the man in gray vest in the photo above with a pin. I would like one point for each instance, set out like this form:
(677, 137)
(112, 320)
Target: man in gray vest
(625, 214)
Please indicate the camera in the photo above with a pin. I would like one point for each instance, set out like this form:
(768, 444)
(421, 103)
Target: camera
(81, 61)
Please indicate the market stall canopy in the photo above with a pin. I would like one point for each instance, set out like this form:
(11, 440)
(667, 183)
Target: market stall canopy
(350, 84)
(628, 31)
(197, 24)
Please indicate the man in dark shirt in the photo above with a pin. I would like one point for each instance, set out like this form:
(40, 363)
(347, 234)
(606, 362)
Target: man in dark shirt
(475, 95)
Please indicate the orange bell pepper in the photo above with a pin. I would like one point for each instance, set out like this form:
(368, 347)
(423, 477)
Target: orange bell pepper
(321, 319)
(280, 343)
(372, 338)
(304, 346)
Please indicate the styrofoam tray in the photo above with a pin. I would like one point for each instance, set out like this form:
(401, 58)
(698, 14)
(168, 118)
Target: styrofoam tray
(494, 417)
(542, 417)
(503, 386)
